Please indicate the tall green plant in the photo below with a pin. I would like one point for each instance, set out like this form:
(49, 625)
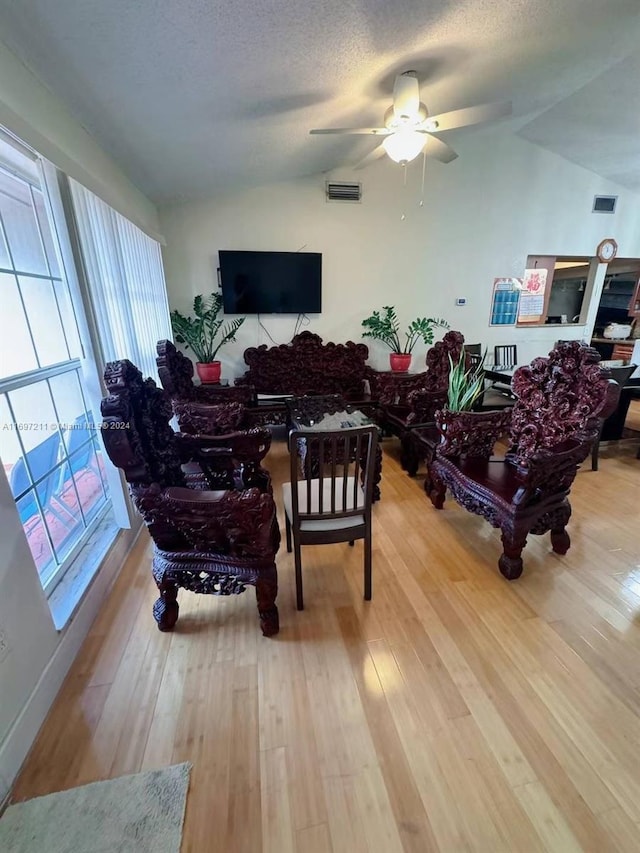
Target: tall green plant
(466, 384)
(385, 327)
(199, 333)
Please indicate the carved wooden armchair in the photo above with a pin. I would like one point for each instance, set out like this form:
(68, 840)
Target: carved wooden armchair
(176, 375)
(416, 401)
(212, 542)
(560, 401)
(212, 410)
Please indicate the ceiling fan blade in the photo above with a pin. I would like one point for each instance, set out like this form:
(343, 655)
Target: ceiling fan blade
(438, 149)
(373, 131)
(470, 115)
(406, 96)
(376, 154)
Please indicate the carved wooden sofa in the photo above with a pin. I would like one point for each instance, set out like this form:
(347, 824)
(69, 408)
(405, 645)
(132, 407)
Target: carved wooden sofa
(305, 366)
(552, 426)
(213, 542)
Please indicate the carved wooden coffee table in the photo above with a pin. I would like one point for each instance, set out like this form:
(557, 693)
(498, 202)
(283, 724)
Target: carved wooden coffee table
(347, 419)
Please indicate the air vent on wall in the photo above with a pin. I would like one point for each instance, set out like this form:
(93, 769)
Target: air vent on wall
(342, 191)
(604, 203)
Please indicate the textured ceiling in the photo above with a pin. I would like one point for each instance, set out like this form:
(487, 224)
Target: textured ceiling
(193, 97)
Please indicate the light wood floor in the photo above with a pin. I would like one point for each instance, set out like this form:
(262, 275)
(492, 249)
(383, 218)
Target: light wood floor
(456, 711)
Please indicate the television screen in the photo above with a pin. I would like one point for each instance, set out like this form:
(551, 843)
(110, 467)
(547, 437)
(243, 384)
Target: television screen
(271, 282)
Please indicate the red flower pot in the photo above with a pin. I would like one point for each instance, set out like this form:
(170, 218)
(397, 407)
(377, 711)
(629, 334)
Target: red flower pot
(208, 372)
(400, 361)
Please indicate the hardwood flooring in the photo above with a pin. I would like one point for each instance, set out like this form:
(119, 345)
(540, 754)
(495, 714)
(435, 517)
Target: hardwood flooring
(454, 712)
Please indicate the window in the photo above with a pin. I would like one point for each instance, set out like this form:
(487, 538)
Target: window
(125, 279)
(49, 449)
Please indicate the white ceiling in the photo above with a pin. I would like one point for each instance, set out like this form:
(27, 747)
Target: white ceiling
(194, 97)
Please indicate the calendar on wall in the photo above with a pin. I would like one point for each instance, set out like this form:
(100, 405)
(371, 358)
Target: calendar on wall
(534, 284)
(505, 301)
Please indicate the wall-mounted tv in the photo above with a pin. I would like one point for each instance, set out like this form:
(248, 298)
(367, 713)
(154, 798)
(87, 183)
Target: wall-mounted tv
(271, 282)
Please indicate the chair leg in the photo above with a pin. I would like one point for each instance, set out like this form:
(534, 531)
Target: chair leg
(165, 609)
(435, 489)
(560, 540)
(287, 524)
(266, 592)
(410, 461)
(298, 563)
(510, 563)
(367, 566)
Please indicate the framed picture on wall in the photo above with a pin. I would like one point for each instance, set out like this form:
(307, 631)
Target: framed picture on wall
(505, 301)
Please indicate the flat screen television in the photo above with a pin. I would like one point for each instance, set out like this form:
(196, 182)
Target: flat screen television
(271, 282)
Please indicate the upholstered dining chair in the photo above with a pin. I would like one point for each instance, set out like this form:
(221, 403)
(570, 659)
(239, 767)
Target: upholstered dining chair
(331, 501)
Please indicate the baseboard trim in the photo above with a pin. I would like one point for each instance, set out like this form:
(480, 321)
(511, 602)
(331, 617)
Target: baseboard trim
(24, 731)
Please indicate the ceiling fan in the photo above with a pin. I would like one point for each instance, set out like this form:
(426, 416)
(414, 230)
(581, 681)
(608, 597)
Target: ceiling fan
(409, 129)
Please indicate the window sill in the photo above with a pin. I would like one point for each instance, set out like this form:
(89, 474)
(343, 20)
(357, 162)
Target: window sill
(70, 591)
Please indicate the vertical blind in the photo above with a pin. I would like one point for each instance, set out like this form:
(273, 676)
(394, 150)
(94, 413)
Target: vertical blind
(123, 268)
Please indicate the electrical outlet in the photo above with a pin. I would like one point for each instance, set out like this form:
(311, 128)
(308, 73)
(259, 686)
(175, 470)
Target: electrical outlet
(5, 648)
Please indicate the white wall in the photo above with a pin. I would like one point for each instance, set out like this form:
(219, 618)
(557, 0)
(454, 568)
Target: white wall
(39, 656)
(503, 199)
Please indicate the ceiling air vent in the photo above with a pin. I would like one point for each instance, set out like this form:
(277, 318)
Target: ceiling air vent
(604, 203)
(342, 191)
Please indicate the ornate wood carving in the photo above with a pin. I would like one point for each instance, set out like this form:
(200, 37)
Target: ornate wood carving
(560, 402)
(310, 408)
(215, 419)
(210, 542)
(471, 433)
(307, 366)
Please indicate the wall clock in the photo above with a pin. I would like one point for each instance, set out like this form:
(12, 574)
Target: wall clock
(607, 250)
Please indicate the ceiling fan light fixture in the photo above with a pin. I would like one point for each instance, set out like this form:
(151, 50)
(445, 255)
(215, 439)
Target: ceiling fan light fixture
(404, 146)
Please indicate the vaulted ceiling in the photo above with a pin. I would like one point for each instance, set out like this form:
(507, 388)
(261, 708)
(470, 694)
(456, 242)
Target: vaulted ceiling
(194, 97)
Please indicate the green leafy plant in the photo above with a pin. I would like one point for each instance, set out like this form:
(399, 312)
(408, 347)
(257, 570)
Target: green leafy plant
(199, 333)
(466, 384)
(384, 326)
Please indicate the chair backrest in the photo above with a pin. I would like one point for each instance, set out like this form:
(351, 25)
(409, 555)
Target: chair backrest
(175, 371)
(136, 431)
(311, 407)
(559, 398)
(505, 355)
(338, 468)
(622, 373)
(438, 364)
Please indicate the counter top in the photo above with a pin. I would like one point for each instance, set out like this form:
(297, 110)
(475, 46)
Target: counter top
(613, 340)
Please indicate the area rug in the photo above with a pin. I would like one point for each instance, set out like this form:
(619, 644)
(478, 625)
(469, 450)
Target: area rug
(142, 813)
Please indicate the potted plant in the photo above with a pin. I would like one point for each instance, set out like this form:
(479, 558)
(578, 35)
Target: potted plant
(466, 384)
(199, 334)
(384, 326)
(463, 430)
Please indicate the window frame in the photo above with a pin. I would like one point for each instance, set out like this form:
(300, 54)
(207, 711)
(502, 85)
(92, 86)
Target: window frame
(84, 365)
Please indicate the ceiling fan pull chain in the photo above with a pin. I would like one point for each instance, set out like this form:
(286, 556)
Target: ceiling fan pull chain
(424, 169)
(404, 184)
